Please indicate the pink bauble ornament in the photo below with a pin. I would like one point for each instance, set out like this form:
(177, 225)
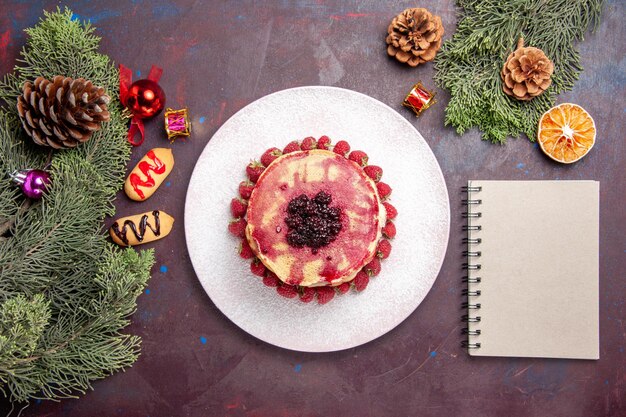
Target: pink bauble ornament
(33, 182)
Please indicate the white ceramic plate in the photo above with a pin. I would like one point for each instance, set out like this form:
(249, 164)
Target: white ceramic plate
(419, 194)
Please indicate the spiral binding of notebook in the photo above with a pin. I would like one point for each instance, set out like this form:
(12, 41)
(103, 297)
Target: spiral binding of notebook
(471, 279)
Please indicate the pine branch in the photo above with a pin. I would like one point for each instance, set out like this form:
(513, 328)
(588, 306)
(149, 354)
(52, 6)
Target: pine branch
(469, 64)
(65, 293)
(7, 224)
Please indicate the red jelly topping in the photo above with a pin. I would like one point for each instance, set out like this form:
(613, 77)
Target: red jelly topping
(145, 167)
(352, 194)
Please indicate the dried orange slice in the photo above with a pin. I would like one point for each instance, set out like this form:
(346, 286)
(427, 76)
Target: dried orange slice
(566, 133)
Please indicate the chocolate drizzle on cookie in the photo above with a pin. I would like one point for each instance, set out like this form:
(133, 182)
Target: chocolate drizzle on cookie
(139, 233)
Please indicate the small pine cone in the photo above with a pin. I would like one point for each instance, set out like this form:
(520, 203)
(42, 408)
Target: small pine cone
(527, 72)
(414, 36)
(63, 112)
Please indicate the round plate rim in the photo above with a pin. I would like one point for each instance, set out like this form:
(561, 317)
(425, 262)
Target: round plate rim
(440, 178)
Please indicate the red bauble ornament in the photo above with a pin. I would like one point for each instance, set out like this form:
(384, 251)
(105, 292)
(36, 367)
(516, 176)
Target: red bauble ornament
(145, 99)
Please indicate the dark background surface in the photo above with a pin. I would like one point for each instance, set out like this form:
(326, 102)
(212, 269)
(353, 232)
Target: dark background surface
(220, 56)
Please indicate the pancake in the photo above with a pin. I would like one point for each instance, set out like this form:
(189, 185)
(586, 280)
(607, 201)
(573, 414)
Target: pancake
(309, 247)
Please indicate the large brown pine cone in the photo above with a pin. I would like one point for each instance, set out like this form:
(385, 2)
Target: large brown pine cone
(63, 112)
(527, 72)
(414, 36)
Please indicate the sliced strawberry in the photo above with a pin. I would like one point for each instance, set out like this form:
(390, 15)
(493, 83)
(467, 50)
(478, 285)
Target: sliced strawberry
(245, 189)
(325, 294)
(237, 227)
(238, 207)
(359, 157)
(360, 281)
(270, 155)
(374, 172)
(389, 230)
(384, 249)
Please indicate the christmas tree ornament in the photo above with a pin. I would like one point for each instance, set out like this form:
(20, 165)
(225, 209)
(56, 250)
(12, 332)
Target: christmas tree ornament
(143, 98)
(33, 182)
(63, 112)
(527, 72)
(414, 36)
(419, 99)
(177, 123)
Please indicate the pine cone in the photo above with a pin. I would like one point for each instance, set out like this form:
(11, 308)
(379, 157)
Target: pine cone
(414, 36)
(63, 112)
(526, 73)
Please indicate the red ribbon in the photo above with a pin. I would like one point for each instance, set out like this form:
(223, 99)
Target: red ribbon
(126, 79)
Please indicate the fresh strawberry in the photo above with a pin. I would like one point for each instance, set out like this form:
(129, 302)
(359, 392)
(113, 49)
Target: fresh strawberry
(384, 249)
(374, 172)
(269, 156)
(245, 251)
(245, 189)
(288, 291)
(307, 295)
(391, 211)
(308, 143)
(389, 230)
(271, 280)
(344, 288)
(292, 281)
(237, 227)
(257, 268)
(361, 280)
(292, 147)
(254, 170)
(342, 148)
(325, 294)
(373, 268)
(323, 142)
(238, 207)
(359, 157)
(383, 190)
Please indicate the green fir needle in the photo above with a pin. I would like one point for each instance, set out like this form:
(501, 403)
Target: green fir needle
(469, 64)
(65, 292)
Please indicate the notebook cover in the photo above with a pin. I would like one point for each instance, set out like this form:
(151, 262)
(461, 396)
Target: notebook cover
(539, 268)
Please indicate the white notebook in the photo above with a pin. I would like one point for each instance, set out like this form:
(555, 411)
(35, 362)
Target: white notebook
(532, 269)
